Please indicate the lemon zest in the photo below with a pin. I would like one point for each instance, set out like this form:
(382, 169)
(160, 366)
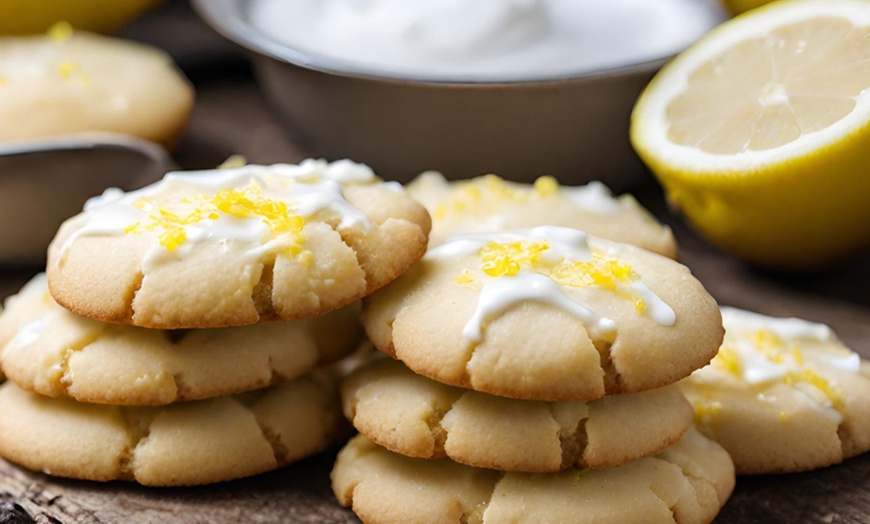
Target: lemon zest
(707, 409)
(486, 194)
(507, 259)
(808, 376)
(605, 272)
(464, 279)
(240, 203)
(728, 360)
(60, 31)
(66, 68)
(546, 186)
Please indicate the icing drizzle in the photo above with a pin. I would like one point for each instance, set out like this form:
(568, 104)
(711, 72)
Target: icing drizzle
(536, 265)
(262, 207)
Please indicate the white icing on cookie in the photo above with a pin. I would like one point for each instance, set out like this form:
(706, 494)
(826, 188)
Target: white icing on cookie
(261, 207)
(536, 265)
(765, 350)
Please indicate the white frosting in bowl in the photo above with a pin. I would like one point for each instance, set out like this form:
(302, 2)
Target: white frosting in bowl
(485, 40)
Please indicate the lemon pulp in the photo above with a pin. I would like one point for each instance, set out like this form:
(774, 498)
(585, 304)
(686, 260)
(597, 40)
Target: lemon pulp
(760, 133)
(768, 91)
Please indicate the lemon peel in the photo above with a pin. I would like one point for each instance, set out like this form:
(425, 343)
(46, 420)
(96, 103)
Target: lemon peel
(792, 202)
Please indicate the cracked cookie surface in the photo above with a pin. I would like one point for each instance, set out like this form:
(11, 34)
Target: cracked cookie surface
(233, 247)
(418, 417)
(687, 483)
(183, 444)
(51, 351)
(546, 313)
(782, 395)
(489, 203)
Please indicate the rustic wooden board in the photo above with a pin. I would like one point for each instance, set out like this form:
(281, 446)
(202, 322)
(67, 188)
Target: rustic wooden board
(300, 493)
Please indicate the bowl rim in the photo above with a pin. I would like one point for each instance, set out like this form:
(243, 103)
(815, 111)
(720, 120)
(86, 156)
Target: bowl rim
(223, 16)
(87, 140)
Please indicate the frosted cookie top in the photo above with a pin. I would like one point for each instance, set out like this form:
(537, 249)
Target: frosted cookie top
(263, 208)
(763, 349)
(489, 203)
(283, 241)
(71, 82)
(535, 265)
(783, 394)
(548, 313)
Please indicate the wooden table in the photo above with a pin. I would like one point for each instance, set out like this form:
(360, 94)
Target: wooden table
(300, 493)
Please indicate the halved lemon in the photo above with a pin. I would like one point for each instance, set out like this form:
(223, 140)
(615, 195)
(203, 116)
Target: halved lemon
(760, 132)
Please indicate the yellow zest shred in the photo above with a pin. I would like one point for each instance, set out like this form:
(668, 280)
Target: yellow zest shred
(770, 345)
(68, 68)
(483, 194)
(507, 259)
(728, 360)
(798, 356)
(3, 80)
(60, 31)
(546, 186)
(808, 376)
(240, 203)
(464, 279)
(603, 271)
(707, 409)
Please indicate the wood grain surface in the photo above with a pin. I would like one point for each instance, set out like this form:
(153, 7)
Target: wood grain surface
(231, 117)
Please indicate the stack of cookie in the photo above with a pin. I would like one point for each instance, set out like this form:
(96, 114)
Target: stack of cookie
(143, 355)
(537, 386)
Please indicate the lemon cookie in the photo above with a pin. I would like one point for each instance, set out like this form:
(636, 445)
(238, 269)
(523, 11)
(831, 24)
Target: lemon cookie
(418, 417)
(782, 395)
(182, 444)
(687, 483)
(46, 349)
(233, 247)
(546, 314)
(489, 203)
(71, 82)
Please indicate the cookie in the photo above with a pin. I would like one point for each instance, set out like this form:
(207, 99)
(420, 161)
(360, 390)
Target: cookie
(489, 203)
(548, 314)
(182, 444)
(233, 247)
(418, 417)
(687, 483)
(46, 349)
(782, 395)
(73, 82)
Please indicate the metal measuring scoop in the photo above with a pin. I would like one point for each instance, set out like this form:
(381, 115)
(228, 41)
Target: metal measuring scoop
(43, 182)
